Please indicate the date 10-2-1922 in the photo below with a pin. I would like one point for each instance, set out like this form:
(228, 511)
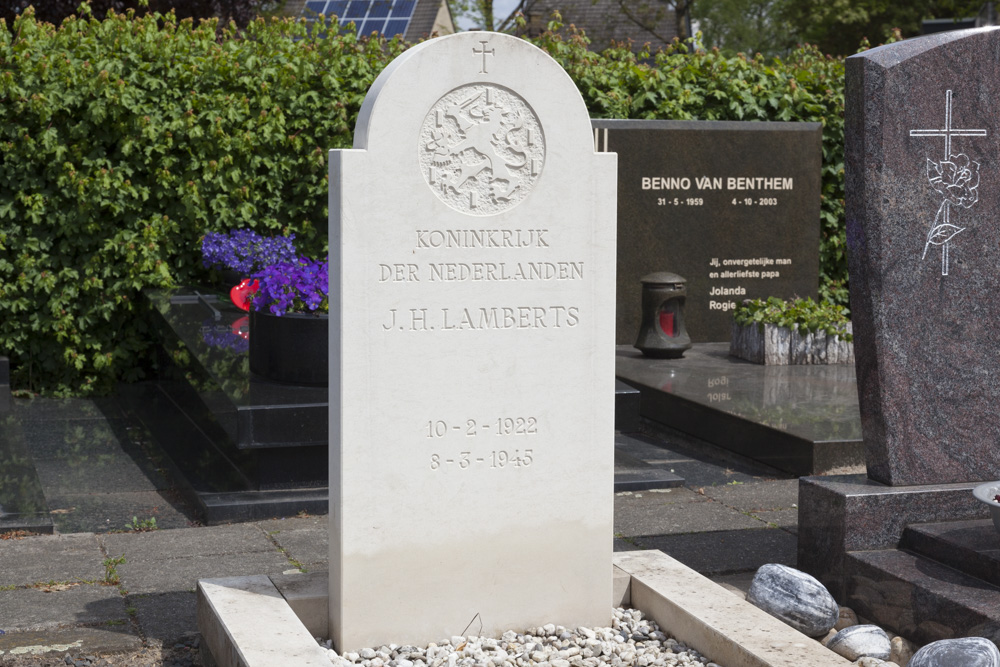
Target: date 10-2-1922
(501, 426)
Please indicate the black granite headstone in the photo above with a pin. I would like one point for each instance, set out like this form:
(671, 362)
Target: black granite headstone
(922, 140)
(732, 207)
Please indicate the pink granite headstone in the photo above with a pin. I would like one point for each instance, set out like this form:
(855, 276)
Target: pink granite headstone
(923, 233)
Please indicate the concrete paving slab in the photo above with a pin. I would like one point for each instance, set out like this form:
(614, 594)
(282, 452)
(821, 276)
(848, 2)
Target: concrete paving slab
(620, 544)
(306, 541)
(173, 575)
(309, 597)
(674, 511)
(161, 544)
(74, 557)
(755, 497)
(307, 522)
(738, 584)
(55, 642)
(106, 512)
(728, 551)
(63, 604)
(165, 617)
(785, 519)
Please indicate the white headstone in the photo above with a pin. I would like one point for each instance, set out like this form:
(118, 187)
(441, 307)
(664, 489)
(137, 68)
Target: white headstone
(472, 241)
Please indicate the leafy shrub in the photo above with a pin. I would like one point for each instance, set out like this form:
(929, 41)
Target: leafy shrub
(682, 83)
(802, 314)
(124, 140)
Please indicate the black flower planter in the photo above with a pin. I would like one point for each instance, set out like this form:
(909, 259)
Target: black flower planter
(292, 349)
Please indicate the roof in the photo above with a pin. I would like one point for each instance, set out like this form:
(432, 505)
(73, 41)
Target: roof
(605, 21)
(414, 19)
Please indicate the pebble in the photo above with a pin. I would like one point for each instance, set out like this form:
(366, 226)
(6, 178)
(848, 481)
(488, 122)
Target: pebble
(861, 641)
(795, 598)
(902, 650)
(847, 619)
(631, 640)
(967, 652)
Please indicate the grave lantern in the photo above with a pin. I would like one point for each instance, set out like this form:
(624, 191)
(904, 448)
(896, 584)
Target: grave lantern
(662, 333)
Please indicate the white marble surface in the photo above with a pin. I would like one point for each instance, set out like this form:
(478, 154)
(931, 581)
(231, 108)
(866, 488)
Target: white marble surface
(472, 353)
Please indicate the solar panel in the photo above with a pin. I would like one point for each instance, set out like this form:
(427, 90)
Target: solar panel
(367, 15)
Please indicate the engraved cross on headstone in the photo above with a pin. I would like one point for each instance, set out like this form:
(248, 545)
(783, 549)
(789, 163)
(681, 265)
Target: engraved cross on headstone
(484, 52)
(941, 234)
(947, 132)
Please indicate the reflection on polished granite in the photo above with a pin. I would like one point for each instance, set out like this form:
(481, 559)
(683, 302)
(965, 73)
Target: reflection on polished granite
(799, 419)
(253, 412)
(246, 448)
(77, 465)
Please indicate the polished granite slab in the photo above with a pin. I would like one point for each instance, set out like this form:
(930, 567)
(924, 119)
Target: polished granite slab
(972, 547)
(247, 447)
(244, 448)
(22, 500)
(802, 420)
(78, 465)
(214, 335)
(910, 558)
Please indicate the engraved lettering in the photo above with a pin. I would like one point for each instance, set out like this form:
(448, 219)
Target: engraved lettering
(392, 320)
(482, 238)
(399, 273)
(484, 318)
(501, 271)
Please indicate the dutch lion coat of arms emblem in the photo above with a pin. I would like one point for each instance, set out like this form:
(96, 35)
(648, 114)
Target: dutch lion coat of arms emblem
(481, 149)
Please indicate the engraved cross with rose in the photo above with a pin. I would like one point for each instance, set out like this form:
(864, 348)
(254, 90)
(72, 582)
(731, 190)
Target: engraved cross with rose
(956, 178)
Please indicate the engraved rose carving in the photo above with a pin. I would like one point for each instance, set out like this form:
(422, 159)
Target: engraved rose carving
(957, 179)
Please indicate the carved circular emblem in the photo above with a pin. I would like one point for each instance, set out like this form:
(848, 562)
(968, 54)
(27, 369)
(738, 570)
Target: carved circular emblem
(481, 149)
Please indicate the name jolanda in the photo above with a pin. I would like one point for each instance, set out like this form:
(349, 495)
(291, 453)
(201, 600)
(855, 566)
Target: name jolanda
(482, 318)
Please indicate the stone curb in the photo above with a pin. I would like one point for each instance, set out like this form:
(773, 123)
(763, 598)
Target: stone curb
(686, 605)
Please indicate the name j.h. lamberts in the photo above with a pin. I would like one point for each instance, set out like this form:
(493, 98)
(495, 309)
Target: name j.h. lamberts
(481, 318)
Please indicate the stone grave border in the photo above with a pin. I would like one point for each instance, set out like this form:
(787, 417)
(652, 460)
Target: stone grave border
(258, 621)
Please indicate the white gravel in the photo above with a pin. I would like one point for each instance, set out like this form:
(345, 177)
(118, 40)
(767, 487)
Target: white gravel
(631, 640)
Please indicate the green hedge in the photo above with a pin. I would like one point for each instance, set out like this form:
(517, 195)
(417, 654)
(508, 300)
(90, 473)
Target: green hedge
(123, 140)
(683, 84)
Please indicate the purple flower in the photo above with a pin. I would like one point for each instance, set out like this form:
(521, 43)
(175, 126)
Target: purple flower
(293, 287)
(223, 336)
(245, 251)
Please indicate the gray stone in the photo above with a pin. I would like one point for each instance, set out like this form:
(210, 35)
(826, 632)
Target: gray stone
(847, 619)
(922, 253)
(871, 662)
(861, 641)
(795, 598)
(902, 650)
(780, 346)
(967, 652)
